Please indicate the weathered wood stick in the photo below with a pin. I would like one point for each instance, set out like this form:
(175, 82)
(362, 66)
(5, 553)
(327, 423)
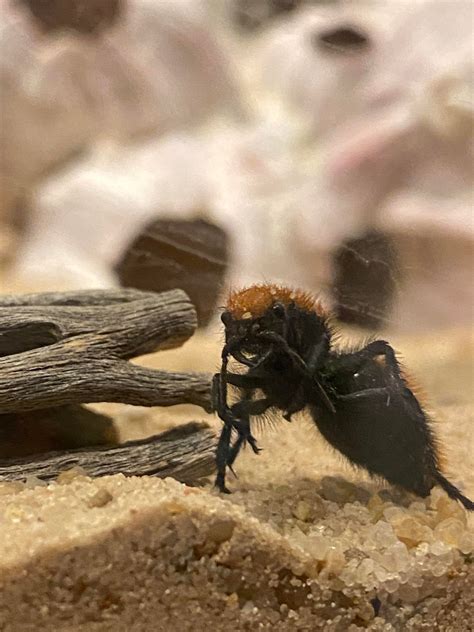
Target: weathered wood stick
(185, 453)
(47, 382)
(76, 298)
(125, 324)
(69, 348)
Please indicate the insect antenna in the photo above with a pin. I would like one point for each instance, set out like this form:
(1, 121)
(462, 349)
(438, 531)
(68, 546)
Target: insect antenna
(301, 364)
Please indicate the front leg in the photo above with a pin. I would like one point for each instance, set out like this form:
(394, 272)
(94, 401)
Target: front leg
(229, 416)
(240, 415)
(219, 401)
(243, 410)
(222, 455)
(223, 445)
(246, 381)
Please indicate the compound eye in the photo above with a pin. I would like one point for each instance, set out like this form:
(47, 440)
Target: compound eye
(279, 310)
(226, 318)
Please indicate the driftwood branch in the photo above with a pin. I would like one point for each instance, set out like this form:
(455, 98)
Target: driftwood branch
(60, 350)
(125, 324)
(65, 348)
(185, 453)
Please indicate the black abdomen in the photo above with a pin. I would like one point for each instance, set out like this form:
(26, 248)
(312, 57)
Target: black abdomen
(389, 437)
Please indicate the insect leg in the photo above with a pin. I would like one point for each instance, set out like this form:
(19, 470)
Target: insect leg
(353, 361)
(241, 381)
(231, 418)
(219, 397)
(243, 410)
(222, 455)
(239, 418)
(380, 347)
(248, 380)
(296, 405)
(453, 492)
(235, 449)
(216, 394)
(367, 393)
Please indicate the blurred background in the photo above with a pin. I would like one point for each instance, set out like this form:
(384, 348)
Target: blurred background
(208, 143)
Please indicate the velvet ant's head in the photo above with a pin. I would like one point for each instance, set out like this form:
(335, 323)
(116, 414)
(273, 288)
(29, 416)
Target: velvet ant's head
(258, 316)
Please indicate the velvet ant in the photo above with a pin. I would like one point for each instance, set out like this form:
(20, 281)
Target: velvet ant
(361, 401)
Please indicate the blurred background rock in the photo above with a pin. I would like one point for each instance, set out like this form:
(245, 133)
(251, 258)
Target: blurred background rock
(307, 131)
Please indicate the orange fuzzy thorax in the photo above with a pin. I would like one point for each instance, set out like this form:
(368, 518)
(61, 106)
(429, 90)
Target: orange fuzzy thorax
(254, 301)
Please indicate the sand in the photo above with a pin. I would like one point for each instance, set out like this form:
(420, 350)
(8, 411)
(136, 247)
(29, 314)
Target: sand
(305, 542)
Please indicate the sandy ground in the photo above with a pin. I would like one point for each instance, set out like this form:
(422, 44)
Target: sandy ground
(303, 543)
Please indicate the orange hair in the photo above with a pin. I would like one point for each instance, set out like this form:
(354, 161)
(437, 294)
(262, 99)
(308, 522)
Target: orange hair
(253, 301)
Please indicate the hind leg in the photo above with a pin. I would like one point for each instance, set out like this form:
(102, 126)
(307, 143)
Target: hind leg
(352, 362)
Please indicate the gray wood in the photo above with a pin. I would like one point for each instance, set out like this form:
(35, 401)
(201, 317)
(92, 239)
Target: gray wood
(126, 323)
(78, 298)
(69, 348)
(185, 453)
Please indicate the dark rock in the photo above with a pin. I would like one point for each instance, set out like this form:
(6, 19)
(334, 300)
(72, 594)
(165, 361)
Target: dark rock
(83, 16)
(343, 39)
(251, 15)
(191, 255)
(365, 276)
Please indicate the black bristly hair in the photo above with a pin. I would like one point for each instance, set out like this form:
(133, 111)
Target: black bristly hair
(361, 401)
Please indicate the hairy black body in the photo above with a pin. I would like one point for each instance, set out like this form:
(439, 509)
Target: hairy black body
(360, 401)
